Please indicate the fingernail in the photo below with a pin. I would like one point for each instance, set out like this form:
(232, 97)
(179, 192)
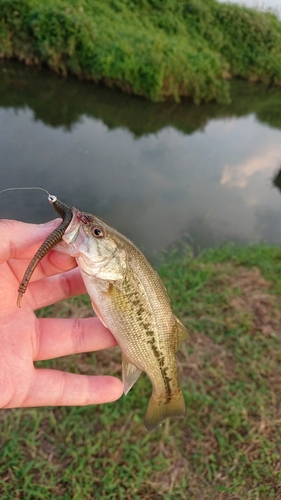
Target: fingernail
(50, 223)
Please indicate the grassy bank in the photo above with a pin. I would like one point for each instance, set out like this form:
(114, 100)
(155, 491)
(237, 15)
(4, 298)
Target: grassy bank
(229, 445)
(151, 48)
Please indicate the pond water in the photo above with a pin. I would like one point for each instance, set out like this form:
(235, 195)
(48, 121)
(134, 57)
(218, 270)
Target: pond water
(160, 173)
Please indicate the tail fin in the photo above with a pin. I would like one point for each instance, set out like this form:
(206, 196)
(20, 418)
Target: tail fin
(162, 407)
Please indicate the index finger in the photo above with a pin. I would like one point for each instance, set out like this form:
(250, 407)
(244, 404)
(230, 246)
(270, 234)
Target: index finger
(20, 240)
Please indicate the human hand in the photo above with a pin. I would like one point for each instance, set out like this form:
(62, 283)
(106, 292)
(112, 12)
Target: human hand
(25, 338)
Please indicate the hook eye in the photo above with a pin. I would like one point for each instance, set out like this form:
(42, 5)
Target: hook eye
(52, 198)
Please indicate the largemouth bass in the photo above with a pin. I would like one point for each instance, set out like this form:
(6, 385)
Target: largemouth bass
(130, 299)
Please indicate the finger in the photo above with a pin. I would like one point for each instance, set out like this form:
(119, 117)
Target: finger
(19, 243)
(56, 388)
(20, 240)
(60, 337)
(50, 290)
(53, 263)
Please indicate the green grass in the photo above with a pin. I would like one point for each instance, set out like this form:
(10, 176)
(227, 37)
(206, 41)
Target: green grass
(229, 445)
(152, 48)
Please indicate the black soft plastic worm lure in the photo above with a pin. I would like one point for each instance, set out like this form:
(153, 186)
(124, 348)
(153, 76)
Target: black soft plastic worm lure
(52, 240)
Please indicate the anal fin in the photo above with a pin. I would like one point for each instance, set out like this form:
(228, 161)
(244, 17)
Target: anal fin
(130, 374)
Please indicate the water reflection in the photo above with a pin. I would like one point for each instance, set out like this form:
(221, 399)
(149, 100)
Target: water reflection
(157, 172)
(277, 180)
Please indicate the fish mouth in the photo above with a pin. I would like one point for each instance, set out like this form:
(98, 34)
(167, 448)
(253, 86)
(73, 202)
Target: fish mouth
(75, 235)
(83, 218)
(72, 231)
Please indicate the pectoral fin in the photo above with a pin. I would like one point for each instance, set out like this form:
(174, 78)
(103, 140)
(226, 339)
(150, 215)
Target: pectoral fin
(97, 311)
(130, 374)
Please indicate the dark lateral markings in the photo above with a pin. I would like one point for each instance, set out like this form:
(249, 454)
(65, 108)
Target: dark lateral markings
(140, 309)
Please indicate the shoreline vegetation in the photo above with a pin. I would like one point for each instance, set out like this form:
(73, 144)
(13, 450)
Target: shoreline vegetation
(228, 446)
(116, 109)
(157, 49)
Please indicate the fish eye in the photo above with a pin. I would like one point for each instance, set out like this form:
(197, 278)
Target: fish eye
(97, 232)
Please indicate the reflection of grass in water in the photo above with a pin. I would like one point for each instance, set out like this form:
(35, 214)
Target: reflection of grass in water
(62, 102)
(277, 180)
(230, 370)
(148, 48)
